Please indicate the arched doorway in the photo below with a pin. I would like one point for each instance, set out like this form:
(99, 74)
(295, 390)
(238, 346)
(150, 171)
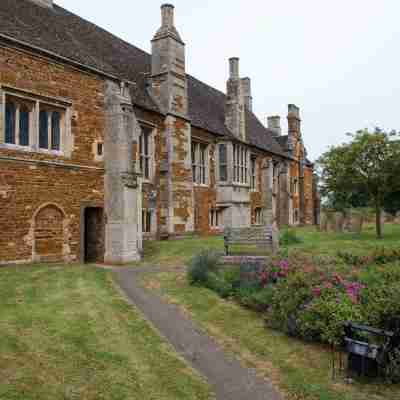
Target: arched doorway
(49, 234)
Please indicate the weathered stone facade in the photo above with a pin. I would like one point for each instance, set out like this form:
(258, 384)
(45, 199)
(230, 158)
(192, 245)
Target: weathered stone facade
(43, 194)
(206, 161)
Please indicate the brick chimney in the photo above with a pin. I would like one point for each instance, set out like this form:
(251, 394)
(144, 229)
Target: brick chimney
(43, 3)
(235, 101)
(246, 89)
(274, 124)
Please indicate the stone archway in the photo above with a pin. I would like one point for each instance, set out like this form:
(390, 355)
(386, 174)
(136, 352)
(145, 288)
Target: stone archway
(49, 234)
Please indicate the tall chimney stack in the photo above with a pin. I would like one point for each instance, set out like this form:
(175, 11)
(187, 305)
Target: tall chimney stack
(167, 15)
(246, 89)
(234, 68)
(294, 121)
(235, 101)
(274, 124)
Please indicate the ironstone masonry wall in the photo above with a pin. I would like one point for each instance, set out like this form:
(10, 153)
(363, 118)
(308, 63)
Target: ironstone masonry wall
(39, 196)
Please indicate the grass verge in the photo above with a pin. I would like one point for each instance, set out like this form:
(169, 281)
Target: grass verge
(65, 333)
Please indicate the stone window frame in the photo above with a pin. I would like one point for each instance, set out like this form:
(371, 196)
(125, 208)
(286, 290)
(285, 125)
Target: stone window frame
(98, 149)
(37, 102)
(215, 218)
(151, 150)
(253, 173)
(258, 216)
(223, 165)
(148, 221)
(240, 164)
(294, 186)
(200, 165)
(296, 216)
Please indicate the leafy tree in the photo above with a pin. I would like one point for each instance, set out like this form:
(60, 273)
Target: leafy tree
(369, 163)
(391, 203)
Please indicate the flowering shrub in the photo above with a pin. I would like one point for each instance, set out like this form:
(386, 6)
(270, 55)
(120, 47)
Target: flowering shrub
(380, 256)
(311, 297)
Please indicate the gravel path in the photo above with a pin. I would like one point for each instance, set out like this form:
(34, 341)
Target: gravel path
(227, 377)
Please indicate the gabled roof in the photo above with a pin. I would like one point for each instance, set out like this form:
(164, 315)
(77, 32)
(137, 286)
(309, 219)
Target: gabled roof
(61, 32)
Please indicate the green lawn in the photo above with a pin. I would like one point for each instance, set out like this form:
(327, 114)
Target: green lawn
(319, 243)
(66, 334)
(302, 370)
(178, 252)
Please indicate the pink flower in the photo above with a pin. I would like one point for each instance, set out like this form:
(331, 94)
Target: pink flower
(316, 291)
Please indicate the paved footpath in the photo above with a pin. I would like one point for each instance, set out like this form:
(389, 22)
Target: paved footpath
(228, 378)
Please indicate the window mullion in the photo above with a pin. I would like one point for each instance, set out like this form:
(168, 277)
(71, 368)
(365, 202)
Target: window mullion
(17, 123)
(49, 128)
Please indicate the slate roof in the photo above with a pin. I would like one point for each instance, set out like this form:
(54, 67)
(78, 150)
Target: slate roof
(64, 33)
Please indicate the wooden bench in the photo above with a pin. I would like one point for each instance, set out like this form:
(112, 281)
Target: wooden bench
(264, 237)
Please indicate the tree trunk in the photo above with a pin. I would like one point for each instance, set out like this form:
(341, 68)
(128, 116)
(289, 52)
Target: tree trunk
(378, 213)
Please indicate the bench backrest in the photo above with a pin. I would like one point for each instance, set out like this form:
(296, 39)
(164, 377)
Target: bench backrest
(253, 235)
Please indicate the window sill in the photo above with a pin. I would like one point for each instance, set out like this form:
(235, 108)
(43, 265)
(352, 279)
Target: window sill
(30, 149)
(201, 185)
(50, 152)
(10, 146)
(242, 185)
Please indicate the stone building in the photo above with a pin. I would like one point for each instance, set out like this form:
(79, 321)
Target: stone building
(103, 144)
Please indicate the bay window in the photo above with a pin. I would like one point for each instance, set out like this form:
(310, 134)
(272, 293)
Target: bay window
(223, 163)
(199, 163)
(215, 218)
(240, 164)
(258, 216)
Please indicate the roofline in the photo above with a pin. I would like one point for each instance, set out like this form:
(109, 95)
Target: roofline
(96, 71)
(67, 60)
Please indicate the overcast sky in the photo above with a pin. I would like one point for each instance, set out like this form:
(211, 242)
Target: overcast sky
(338, 60)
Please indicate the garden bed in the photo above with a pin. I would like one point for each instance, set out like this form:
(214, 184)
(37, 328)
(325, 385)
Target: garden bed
(311, 297)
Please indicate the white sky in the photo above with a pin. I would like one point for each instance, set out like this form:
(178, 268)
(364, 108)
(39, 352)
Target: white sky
(338, 60)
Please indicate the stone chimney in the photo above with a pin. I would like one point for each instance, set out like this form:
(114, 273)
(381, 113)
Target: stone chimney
(294, 121)
(274, 124)
(167, 16)
(43, 3)
(235, 102)
(168, 66)
(246, 88)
